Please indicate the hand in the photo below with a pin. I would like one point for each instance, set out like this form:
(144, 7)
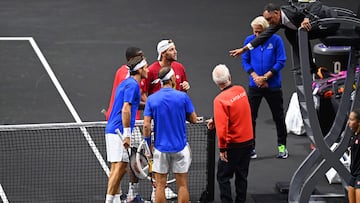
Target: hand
(185, 85)
(223, 156)
(126, 142)
(236, 52)
(306, 24)
(210, 124)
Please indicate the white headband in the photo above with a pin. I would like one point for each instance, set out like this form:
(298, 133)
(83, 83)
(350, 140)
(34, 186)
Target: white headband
(139, 65)
(162, 46)
(168, 75)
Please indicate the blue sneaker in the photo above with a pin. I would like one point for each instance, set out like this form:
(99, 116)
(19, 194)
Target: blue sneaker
(138, 199)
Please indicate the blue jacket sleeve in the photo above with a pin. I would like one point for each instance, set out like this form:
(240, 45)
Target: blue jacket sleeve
(245, 60)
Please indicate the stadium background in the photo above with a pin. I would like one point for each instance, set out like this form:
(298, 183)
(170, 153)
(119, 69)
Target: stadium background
(84, 42)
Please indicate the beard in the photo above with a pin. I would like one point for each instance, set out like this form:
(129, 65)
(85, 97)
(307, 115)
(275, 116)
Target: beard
(170, 58)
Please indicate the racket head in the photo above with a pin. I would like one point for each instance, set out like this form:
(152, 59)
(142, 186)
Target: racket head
(142, 160)
(140, 169)
(146, 169)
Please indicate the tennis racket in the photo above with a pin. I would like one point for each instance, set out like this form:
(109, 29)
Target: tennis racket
(139, 168)
(145, 168)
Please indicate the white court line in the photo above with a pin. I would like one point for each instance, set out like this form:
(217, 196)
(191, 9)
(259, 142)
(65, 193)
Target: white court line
(64, 97)
(3, 195)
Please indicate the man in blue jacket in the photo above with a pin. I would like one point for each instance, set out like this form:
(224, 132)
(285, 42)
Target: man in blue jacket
(263, 64)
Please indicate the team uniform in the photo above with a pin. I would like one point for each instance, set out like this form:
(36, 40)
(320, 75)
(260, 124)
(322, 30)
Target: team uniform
(121, 74)
(355, 164)
(269, 56)
(152, 84)
(127, 91)
(232, 117)
(168, 108)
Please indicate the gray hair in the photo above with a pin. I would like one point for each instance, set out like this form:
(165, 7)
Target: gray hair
(260, 20)
(221, 74)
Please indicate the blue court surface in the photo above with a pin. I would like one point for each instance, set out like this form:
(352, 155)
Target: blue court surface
(58, 60)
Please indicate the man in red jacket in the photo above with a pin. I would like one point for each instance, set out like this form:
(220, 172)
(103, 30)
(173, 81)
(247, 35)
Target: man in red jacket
(232, 121)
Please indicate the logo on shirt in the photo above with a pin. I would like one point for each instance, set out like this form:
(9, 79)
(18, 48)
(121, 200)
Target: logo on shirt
(270, 46)
(237, 97)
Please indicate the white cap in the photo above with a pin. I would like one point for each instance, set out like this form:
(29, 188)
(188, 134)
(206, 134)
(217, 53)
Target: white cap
(162, 46)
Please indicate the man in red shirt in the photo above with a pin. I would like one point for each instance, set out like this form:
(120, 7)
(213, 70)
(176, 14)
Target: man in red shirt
(121, 74)
(167, 57)
(233, 124)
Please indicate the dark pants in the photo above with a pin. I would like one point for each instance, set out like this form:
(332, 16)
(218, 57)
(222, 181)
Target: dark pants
(238, 163)
(274, 98)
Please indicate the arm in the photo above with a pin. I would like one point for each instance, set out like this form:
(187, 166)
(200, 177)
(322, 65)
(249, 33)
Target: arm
(191, 117)
(221, 124)
(279, 63)
(126, 113)
(257, 41)
(147, 126)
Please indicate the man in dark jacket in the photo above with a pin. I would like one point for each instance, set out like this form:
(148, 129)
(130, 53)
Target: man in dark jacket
(292, 17)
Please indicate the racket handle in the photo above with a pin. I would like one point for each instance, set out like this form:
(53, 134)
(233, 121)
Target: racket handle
(119, 133)
(150, 166)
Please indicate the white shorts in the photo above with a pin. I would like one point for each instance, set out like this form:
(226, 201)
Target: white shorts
(179, 161)
(115, 149)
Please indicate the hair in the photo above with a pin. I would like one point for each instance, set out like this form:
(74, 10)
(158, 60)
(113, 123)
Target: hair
(162, 72)
(132, 52)
(260, 20)
(133, 62)
(221, 74)
(271, 7)
(357, 114)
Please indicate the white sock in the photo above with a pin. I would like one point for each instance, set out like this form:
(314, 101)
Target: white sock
(109, 198)
(117, 199)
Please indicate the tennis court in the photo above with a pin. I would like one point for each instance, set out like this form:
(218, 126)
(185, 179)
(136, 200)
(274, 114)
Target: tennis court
(82, 43)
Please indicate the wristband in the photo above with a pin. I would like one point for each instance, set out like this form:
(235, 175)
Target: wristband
(148, 140)
(265, 78)
(127, 132)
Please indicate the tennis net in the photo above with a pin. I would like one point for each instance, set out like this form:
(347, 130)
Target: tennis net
(66, 162)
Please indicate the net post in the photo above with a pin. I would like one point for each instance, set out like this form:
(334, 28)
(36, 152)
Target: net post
(211, 136)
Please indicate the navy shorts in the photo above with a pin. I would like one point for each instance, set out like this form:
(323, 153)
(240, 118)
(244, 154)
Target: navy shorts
(355, 182)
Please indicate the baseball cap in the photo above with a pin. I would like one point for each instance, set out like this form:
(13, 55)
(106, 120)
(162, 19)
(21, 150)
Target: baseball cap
(162, 46)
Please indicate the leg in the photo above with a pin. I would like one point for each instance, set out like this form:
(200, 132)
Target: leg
(255, 97)
(134, 181)
(274, 98)
(160, 187)
(117, 171)
(241, 173)
(351, 194)
(224, 173)
(182, 185)
(357, 194)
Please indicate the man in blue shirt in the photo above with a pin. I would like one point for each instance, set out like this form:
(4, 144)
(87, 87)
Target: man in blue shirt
(169, 108)
(122, 117)
(263, 64)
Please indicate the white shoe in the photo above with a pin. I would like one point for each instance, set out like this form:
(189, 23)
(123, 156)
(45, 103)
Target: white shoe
(131, 193)
(130, 196)
(169, 194)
